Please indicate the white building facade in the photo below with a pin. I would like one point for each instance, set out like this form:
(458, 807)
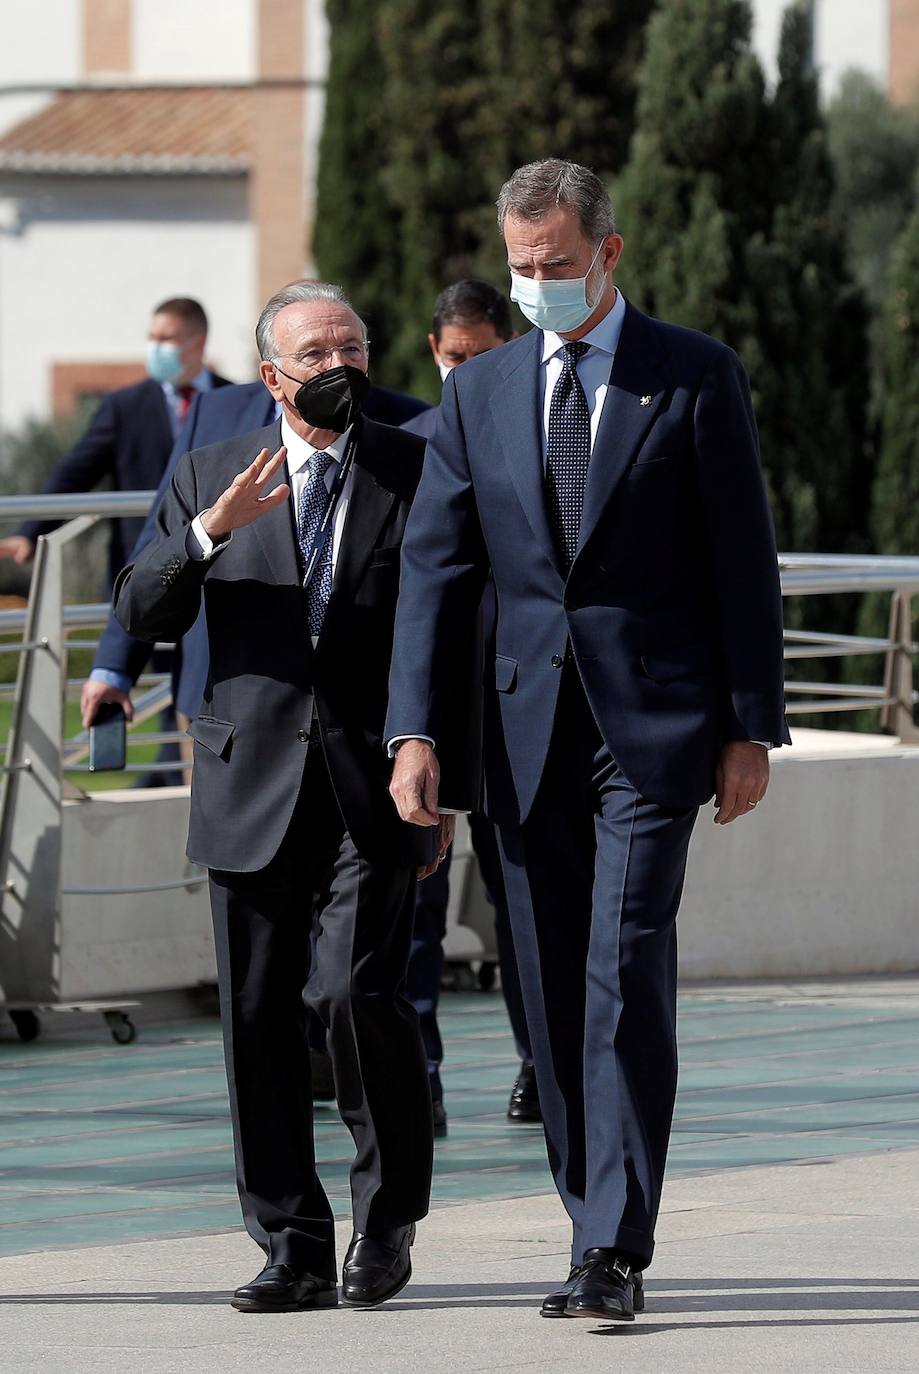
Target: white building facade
(140, 158)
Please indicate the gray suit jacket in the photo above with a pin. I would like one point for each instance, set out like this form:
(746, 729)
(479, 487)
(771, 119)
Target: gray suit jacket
(251, 736)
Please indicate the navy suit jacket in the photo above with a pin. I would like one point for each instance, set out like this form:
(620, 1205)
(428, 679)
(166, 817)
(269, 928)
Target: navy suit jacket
(671, 608)
(423, 424)
(214, 416)
(127, 441)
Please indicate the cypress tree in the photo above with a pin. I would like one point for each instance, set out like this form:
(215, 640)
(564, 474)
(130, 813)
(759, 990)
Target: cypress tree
(429, 110)
(356, 236)
(725, 207)
(896, 491)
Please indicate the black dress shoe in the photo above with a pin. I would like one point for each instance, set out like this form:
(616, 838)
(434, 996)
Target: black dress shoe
(278, 1288)
(440, 1120)
(377, 1267)
(556, 1303)
(607, 1287)
(322, 1077)
(524, 1103)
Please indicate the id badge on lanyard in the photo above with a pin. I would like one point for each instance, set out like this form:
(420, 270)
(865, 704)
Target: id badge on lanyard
(324, 532)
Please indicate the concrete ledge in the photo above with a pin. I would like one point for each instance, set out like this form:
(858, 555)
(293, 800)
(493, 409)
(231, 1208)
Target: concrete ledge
(822, 880)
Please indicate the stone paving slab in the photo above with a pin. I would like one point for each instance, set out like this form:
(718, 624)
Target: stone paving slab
(810, 1268)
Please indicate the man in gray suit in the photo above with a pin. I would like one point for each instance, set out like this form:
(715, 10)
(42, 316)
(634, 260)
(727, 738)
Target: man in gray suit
(292, 535)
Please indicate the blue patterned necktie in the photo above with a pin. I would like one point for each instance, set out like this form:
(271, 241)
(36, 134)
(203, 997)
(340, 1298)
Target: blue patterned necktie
(567, 455)
(313, 500)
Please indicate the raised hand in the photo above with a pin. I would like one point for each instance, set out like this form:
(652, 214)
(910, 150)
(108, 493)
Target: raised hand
(244, 499)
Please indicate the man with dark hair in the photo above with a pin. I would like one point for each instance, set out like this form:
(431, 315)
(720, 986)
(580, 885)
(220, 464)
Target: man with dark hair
(130, 437)
(604, 470)
(470, 317)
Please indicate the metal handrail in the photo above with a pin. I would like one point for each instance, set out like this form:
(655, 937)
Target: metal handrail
(802, 574)
(68, 505)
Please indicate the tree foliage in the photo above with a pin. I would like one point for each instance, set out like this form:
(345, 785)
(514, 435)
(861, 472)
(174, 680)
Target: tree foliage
(896, 496)
(725, 205)
(430, 107)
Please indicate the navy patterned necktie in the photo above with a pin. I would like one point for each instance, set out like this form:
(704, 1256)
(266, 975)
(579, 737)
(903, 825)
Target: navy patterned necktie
(567, 455)
(313, 500)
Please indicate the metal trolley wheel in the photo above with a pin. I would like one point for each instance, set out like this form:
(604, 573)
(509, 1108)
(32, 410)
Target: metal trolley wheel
(123, 1029)
(28, 1026)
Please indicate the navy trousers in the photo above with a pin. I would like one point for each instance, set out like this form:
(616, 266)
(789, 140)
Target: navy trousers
(426, 963)
(594, 878)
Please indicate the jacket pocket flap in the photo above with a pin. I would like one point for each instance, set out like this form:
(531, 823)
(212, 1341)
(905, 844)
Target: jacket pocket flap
(215, 735)
(505, 673)
(688, 660)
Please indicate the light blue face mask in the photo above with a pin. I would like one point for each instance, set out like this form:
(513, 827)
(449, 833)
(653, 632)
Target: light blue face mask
(164, 361)
(559, 306)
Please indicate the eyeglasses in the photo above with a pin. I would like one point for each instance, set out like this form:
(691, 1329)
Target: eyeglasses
(315, 358)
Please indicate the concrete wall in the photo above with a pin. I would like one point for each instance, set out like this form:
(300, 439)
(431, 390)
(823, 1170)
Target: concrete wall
(823, 880)
(847, 33)
(194, 40)
(84, 260)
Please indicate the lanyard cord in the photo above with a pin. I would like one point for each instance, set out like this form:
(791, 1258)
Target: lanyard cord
(323, 533)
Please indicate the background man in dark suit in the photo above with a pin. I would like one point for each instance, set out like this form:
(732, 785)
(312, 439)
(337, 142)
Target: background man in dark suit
(604, 469)
(297, 556)
(470, 317)
(130, 437)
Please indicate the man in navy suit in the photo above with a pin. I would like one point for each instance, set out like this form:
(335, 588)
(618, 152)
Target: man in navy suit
(130, 437)
(604, 469)
(470, 317)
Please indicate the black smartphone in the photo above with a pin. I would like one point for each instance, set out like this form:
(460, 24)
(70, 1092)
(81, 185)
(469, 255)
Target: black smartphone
(107, 738)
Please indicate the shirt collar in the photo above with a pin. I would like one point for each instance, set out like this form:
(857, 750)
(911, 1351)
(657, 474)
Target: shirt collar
(202, 382)
(604, 336)
(299, 452)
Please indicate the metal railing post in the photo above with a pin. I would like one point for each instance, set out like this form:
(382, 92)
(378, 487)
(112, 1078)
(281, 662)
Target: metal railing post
(898, 670)
(30, 827)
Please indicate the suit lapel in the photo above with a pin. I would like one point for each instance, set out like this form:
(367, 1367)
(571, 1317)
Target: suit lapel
(368, 506)
(517, 415)
(636, 389)
(275, 531)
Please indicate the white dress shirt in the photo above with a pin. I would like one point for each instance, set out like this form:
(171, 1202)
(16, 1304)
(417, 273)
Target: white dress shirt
(203, 382)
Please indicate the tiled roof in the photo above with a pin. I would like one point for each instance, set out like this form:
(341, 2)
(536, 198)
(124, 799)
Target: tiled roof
(170, 130)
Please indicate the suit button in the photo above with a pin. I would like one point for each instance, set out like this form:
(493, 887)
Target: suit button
(557, 660)
(303, 736)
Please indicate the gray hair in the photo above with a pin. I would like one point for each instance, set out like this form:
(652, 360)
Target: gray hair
(297, 292)
(539, 187)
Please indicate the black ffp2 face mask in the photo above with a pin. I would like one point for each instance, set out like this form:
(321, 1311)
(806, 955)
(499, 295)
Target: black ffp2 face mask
(331, 400)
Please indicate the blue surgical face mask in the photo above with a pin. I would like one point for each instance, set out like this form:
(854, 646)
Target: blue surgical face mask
(559, 306)
(164, 361)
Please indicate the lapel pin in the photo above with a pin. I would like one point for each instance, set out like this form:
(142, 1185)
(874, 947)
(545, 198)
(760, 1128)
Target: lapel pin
(646, 400)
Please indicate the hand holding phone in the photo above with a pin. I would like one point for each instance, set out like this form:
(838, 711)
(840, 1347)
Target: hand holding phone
(107, 739)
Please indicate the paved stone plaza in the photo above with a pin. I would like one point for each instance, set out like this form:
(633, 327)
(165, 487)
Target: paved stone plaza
(789, 1239)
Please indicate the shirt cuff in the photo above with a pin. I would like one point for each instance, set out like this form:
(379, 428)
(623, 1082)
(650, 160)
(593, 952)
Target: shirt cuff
(111, 678)
(206, 546)
(766, 743)
(400, 739)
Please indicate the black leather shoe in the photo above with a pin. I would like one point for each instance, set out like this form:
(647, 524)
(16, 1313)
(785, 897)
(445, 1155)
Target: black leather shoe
(278, 1288)
(524, 1103)
(607, 1287)
(322, 1078)
(377, 1267)
(556, 1303)
(440, 1121)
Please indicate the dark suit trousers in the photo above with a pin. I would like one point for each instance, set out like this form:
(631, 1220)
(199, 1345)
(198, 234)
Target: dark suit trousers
(594, 878)
(262, 924)
(426, 964)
